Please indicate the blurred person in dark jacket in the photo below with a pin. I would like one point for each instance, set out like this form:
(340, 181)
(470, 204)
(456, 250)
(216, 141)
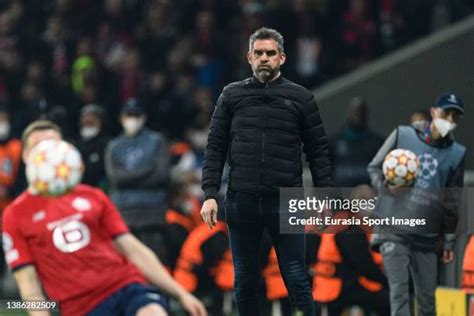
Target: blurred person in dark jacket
(169, 111)
(275, 290)
(467, 282)
(358, 34)
(179, 221)
(204, 266)
(137, 168)
(10, 158)
(346, 272)
(354, 146)
(92, 144)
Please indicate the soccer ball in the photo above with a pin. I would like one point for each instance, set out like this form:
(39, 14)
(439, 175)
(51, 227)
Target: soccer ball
(53, 168)
(400, 167)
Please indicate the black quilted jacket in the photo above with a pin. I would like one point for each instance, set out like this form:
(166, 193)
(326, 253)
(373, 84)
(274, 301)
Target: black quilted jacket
(261, 128)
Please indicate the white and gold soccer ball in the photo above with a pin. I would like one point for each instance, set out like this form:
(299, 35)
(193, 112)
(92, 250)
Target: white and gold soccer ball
(53, 168)
(400, 167)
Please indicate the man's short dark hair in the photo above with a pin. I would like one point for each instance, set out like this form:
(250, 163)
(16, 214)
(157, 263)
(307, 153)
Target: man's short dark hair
(39, 125)
(265, 33)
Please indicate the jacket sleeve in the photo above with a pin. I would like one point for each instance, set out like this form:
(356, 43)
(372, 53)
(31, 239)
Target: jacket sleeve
(375, 166)
(316, 145)
(216, 149)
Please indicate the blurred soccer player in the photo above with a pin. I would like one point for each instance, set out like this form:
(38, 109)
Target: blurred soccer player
(79, 250)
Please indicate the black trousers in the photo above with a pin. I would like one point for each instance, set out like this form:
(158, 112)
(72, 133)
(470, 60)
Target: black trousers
(247, 216)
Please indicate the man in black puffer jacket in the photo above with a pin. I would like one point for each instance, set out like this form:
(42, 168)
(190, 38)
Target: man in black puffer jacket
(261, 123)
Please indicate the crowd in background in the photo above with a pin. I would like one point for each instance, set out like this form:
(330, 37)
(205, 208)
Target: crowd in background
(58, 55)
(103, 70)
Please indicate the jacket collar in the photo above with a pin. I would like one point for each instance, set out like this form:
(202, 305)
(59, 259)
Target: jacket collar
(272, 83)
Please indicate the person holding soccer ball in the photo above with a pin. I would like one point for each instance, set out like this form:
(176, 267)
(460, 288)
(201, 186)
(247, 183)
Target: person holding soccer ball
(441, 161)
(77, 248)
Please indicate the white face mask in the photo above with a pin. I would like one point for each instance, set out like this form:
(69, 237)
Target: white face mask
(443, 126)
(132, 125)
(4, 130)
(88, 132)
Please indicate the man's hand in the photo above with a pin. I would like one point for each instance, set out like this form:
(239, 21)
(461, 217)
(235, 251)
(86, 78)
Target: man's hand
(30, 287)
(192, 305)
(209, 212)
(448, 256)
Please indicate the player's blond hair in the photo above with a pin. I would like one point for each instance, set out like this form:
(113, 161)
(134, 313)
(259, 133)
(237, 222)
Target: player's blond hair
(38, 125)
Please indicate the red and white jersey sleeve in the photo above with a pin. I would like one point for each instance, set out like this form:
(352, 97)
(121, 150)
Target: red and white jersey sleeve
(15, 246)
(112, 221)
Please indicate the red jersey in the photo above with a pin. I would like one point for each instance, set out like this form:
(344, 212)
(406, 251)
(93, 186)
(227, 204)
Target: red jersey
(69, 241)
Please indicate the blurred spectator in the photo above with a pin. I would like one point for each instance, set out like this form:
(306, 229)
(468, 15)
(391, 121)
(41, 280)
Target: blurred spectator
(310, 20)
(275, 288)
(183, 162)
(309, 63)
(92, 144)
(467, 283)
(130, 76)
(179, 222)
(417, 16)
(61, 116)
(32, 105)
(354, 146)
(10, 156)
(346, 272)
(83, 70)
(10, 53)
(73, 53)
(160, 28)
(358, 34)
(391, 24)
(197, 134)
(205, 267)
(209, 50)
(137, 168)
(35, 73)
(170, 110)
(420, 116)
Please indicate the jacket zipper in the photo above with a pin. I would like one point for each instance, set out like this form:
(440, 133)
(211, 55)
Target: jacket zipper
(262, 160)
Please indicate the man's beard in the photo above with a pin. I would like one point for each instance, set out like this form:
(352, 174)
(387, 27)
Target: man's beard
(266, 74)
